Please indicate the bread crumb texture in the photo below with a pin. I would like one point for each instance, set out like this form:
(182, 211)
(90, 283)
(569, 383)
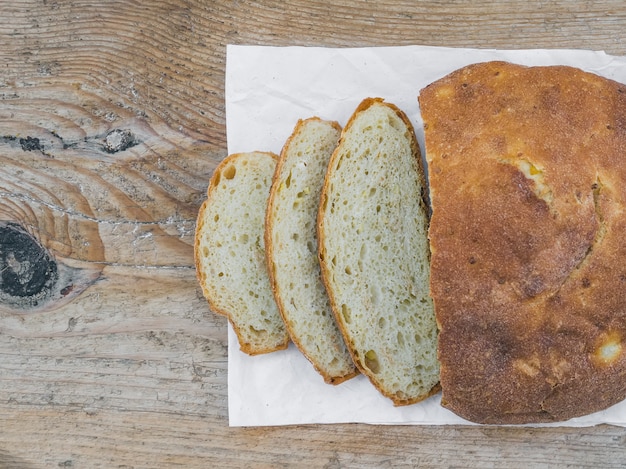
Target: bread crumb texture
(375, 254)
(230, 251)
(528, 271)
(291, 238)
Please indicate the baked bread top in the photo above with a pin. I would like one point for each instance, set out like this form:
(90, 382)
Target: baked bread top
(229, 251)
(291, 248)
(527, 169)
(374, 256)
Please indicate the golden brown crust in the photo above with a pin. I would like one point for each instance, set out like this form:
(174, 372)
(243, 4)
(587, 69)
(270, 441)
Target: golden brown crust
(528, 273)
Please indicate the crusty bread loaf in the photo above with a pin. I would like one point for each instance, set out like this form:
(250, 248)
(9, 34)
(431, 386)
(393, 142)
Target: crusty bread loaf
(374, 253)
(230, 251)
(528, 193)
(291, 248)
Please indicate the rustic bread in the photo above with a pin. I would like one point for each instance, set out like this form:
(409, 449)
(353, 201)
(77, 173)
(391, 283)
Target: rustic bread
(528, 191)
(291, 248)
(230, 251)
(374, 253)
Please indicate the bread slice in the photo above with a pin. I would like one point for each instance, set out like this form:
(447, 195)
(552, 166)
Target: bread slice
(230, 251)
(374, 252)
(291, 248)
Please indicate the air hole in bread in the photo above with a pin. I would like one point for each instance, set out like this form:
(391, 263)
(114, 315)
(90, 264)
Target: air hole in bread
(229, 172)
(396, 123)
(216, 218)
(205, 251)
(400, 338)
(288, 181)
(374, 295)
(348, 270)
(346, 313)
(372, 191)
(243, 239)
(418, 339)
(257, 332)
(371, 361)
(382, 322)
(295, 236)
(363, 252)
(310, 246)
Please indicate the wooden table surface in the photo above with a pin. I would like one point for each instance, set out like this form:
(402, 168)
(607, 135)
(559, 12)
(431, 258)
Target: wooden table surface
(111, 122)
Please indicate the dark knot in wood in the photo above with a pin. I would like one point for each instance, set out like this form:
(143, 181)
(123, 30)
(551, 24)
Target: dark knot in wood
(31, 144)
(28, 272)
(119, 140)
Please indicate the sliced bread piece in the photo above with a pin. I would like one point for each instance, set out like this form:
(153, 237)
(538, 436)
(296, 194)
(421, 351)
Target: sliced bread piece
(291, 248)
(374, 252)
(230, 251)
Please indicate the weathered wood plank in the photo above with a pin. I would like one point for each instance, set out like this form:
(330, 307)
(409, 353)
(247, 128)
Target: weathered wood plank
(111, 121)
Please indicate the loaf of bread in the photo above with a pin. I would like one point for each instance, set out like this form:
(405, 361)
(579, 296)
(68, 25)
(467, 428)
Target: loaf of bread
(230, 251)
(528, 192)
(374, 255)
(291, 248)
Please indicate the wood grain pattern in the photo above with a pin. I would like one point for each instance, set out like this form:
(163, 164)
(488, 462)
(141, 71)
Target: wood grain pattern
(111, 122)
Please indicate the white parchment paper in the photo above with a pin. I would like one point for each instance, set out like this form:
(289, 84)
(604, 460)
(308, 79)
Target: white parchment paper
(267, 90)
